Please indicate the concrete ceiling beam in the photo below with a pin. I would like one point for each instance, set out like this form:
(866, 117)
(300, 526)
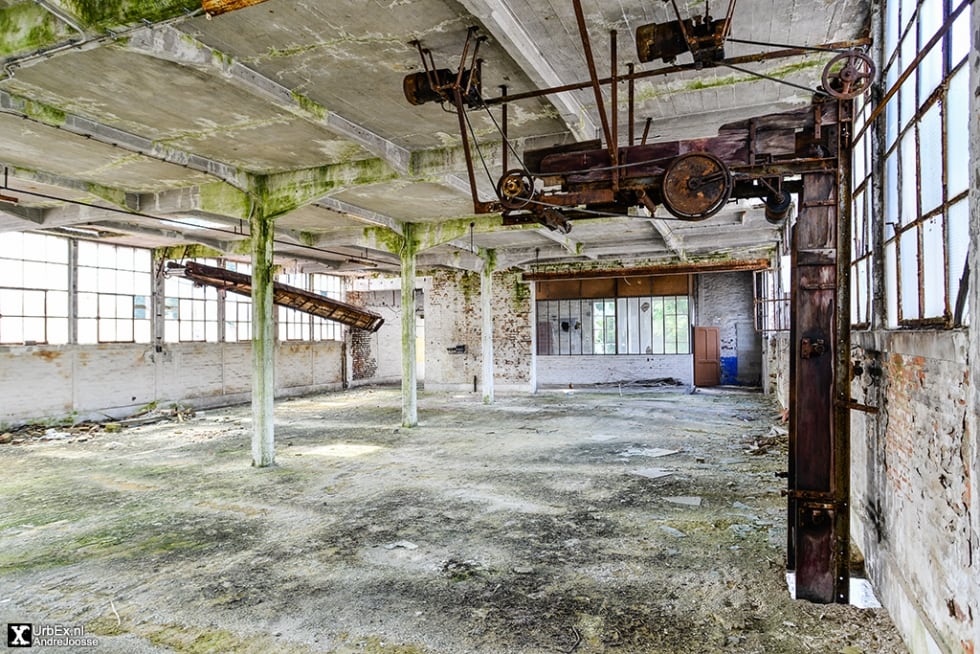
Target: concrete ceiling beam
(670, 239)
(511, 34)
(171, 44)
(576, 248)
(113, 136)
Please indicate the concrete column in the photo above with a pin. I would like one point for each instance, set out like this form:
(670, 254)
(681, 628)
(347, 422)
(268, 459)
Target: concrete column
(973, 415)
(486, 338)
(410, 408)
(263, 340)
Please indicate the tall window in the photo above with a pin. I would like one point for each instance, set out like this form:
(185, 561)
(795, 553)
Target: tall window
(330, 286)
(926, 215)
(33, 289)
(297, 325)
(294, 325)
(238, 308)
(190, 310)
(114, 290)
(633, 325)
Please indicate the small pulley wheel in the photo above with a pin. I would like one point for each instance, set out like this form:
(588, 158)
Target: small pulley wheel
(848, 75)
(696, 186)
(515, 188)
(778, 204)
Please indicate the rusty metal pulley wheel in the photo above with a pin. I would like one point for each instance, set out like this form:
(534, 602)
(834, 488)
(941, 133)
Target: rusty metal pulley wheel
(515, 188)
(696, 186)
(848, 75)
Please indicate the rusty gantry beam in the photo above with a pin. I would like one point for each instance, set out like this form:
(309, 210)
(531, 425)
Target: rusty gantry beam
(283, 295)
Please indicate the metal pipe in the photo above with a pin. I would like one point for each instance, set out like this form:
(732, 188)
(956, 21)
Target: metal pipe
(614, 101)
(669, 70)
(503, 129)
(632, 102)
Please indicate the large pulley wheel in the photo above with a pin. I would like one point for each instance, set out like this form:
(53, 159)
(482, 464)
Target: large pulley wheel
(515, 188)
(848, 75)
(696, 186)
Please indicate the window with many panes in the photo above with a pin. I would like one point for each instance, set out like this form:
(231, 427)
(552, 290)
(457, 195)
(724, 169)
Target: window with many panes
(330, 286)
(238, 308)
(630, 325)
(34, 277)
(190, 310)
(926, 216)
(294, 325)
(114, 291)
(297, 325)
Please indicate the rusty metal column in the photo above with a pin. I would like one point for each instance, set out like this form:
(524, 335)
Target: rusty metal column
(819, 455)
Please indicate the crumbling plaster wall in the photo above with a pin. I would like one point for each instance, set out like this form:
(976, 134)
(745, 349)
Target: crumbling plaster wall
(725, 300)
(911, 483)
(93, 382)
(376, 356)
(915, 465)
(453, 333)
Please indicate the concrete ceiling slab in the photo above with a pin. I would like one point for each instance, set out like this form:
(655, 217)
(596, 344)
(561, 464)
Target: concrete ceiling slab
(166, 103)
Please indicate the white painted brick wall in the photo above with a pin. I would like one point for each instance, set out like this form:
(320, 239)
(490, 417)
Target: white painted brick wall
(95, 382)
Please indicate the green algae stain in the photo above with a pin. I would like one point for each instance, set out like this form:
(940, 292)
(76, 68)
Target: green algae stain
(26, 27)
(103, 14)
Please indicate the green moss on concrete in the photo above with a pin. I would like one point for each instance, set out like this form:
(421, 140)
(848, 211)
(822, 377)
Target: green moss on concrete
(283, 192)
(520, 294)
(389, 240)
(26, 27)
(311, 107)
(190, 251)
(114, 195)
(224, 200)
(103, 14)
(469, 285)
(45, 113)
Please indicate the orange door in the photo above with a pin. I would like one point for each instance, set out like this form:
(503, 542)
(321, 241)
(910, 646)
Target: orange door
(707, 356)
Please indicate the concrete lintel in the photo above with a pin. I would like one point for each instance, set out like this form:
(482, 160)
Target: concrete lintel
(171, 44)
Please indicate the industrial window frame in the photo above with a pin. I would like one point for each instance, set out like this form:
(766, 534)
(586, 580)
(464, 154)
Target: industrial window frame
(190, 311)
(610, 329)
(300, 326)
(237, 308)
(113, 291)
(34, 290)
(925, 222)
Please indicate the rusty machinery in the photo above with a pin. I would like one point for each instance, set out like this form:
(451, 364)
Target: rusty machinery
(693, 179)
(774, 156)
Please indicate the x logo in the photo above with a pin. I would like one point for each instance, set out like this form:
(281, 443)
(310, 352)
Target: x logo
(19, 635)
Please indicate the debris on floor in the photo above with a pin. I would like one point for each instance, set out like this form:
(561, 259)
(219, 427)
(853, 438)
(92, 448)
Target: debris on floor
(438, 539)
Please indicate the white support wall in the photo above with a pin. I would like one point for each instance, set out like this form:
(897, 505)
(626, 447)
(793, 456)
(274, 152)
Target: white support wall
(95, 382)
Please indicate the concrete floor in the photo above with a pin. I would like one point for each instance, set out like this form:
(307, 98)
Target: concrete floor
(578, 521)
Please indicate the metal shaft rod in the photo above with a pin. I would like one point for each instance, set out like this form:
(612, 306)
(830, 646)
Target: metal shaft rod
(632, 102)
(614, 101)
(593, 75)
(669, 70)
